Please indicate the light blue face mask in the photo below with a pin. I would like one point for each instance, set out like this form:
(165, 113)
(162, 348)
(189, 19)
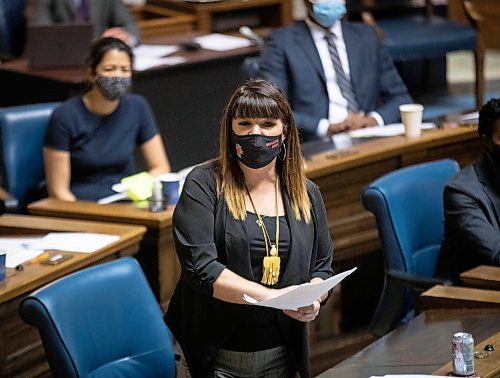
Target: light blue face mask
(327, 13)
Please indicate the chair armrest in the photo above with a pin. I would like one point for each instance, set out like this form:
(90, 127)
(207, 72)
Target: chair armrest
(473, 16)
(417, 282)
(8, 203)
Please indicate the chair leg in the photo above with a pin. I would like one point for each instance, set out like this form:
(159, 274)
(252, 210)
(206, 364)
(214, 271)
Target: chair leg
(479, 60)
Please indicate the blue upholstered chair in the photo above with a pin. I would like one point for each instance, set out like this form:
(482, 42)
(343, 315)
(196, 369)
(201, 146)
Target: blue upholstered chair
(22, 133)
(425, 35)
(102, 321)
(408, 207)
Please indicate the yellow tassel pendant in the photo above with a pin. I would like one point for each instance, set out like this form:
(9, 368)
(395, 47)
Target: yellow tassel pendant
(271, 272)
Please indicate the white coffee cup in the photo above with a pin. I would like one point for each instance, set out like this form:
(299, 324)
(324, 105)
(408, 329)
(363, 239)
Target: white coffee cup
(411, 116)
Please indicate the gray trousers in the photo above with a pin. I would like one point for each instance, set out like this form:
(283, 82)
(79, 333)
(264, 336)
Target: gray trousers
(270, 363)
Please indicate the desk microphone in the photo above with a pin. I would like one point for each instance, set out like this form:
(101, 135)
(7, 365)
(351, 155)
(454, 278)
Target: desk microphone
(251, 35)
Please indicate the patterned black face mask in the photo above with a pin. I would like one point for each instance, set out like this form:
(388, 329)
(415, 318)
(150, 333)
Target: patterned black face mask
(113, 87)
(256, 151)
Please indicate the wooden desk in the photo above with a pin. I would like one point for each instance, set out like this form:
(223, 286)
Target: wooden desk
(157, 253)
(483, 277)
(217, 15)
(440, 296)
(420, 347)
(203, 83)
(21, 351)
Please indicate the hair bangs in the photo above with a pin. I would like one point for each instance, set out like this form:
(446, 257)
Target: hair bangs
(255, 105)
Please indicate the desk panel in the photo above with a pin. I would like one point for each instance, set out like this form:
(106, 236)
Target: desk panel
(21, 351)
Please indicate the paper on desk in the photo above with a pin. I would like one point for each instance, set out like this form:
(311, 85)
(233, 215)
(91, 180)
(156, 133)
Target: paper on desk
(85, 242)
(385, 131)
(222, 42)
(19, 250)
(145, 63)
(302, 295)
(154, 51)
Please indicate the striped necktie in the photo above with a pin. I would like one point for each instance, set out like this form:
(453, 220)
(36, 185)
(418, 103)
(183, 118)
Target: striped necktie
(343, 82)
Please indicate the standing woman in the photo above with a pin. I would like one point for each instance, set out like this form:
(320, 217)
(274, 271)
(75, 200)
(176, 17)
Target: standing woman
(249, 222)
(91, 139)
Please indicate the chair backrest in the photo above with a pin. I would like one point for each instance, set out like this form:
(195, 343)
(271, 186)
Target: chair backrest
(12, 27)
(22, 133)
(408, 207)
(102, 321)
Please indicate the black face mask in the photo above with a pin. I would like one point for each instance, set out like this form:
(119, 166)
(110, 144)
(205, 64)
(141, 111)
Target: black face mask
(494, 152)
(256, 151)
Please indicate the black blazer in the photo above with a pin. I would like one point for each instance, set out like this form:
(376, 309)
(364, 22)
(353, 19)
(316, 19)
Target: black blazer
(291, 60)
(208, 239)
(472, 210)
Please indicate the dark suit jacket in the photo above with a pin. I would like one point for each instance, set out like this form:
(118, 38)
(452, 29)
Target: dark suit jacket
(290, 59)
(104, 14)
(472, 220)
(208, 239)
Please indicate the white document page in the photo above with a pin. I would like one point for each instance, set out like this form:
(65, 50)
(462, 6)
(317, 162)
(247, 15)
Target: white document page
(145, 63)
(385, 131)
(85, 242)
(222, 42)
(19, 250)
(154, 51)
(303, 295)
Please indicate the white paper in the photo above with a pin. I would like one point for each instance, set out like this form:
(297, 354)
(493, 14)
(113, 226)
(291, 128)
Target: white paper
(113, 198)
(474, 116)
(385, 131)
(145, 63)
(222, 42)
(154, 51)
(85, 242)
(303, 295)
(19, 250)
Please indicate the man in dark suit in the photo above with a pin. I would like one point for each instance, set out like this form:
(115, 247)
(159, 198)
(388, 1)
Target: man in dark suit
(109, 18)
(299, 59)
(472, 205)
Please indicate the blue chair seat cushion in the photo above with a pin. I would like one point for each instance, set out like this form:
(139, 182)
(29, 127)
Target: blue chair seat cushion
(419, 37)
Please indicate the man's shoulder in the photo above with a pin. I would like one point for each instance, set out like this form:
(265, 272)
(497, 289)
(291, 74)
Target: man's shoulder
(466, 180)
(287, 31)
(360, 28)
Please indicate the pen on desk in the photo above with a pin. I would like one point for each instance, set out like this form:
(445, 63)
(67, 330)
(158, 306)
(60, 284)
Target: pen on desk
(39, 257)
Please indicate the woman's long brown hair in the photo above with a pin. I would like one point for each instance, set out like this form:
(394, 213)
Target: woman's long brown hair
(261, 99)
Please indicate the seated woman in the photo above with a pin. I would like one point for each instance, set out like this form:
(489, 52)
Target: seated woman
(91, 139)
(249, 222)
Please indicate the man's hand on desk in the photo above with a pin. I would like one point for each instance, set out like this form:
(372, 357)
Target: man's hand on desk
(352, 122)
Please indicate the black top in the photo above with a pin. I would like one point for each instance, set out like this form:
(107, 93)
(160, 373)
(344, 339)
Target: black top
(102, 148)
(207, 240)
(472, 220)
(261, 330)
